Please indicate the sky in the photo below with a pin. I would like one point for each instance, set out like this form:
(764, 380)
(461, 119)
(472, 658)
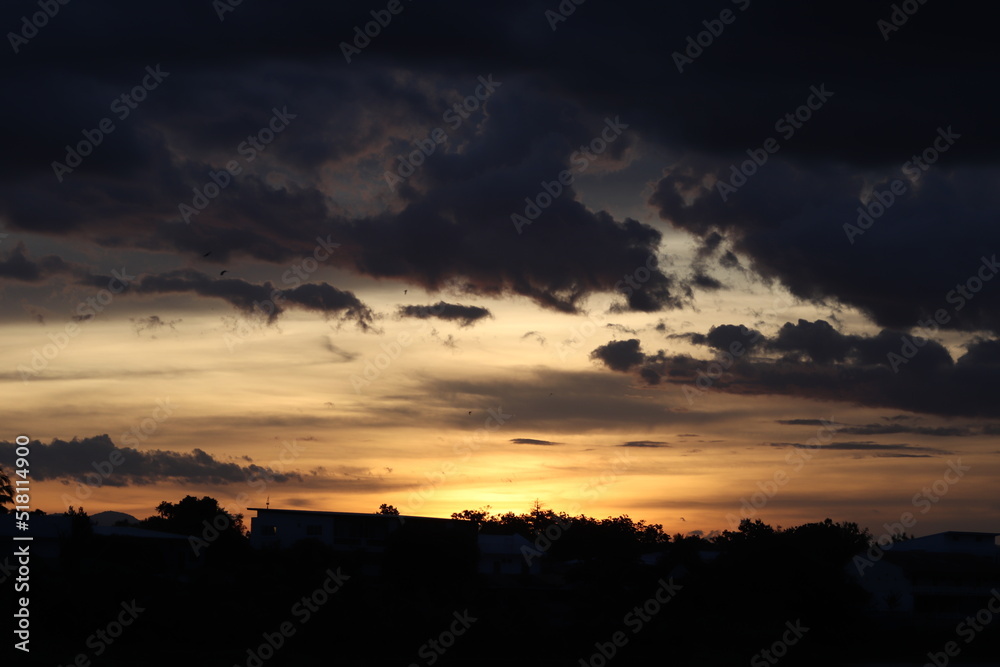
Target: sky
(686, 263)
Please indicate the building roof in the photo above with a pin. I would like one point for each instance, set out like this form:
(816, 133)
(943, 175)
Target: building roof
(952, 541)
(366, 514)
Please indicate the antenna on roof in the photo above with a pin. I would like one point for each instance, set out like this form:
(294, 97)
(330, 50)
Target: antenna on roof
(267, 505)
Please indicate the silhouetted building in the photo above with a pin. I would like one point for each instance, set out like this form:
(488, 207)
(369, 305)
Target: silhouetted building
(344, 531)
(380, 540)
(504, 554)
(940, 577)
(48, 532)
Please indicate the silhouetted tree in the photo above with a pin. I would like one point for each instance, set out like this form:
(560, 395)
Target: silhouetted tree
(562, 537)
(81, 534)
(387, 509)
(191, 516)
(206, 524)
(477, 516)
(78, 515)
(6, 492)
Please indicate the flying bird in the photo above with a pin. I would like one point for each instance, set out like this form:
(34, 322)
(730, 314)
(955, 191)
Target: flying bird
(682, 519)
(404, 291)
(470, 412)
(207, 253)
(224, 272)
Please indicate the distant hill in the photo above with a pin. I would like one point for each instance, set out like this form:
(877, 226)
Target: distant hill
(111, 518)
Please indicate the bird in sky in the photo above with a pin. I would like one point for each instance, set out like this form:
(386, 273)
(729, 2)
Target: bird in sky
(404, 291)
(682, 519)
(207, 253)
(470, 412)
(224, 272)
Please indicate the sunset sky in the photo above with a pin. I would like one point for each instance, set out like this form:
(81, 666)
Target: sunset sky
(485, 255)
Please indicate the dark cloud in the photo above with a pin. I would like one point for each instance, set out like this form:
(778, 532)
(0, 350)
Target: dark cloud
(621, 328)
(889, 369)
(706, 282)
(448, 226)
(644, 443)
(537, 336)
(729, 338)
(650, 375)
(532, 441)
(791, 205)
(76, 460)
(806, 422)
(866, 446)
(883, 429)
(817, 339)
(619, 355)
(151, 323)
(902, 456)
(259, 300)
(18, 266)
(341, 354)
(934, 431)
(464, 315)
